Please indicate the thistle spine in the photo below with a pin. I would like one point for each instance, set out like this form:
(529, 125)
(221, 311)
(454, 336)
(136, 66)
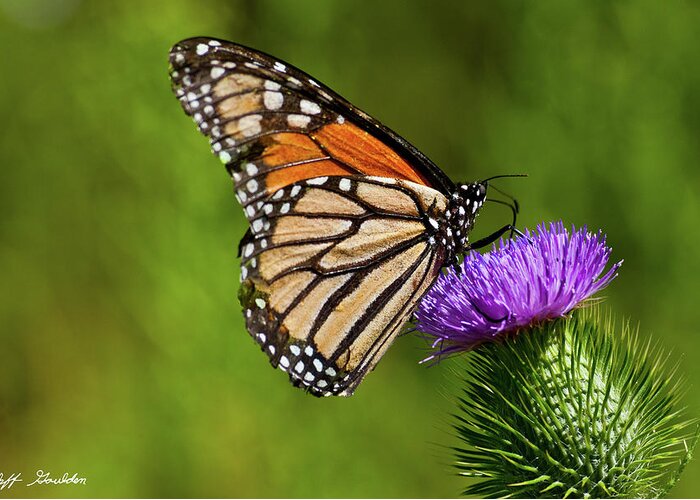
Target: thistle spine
(572, 409)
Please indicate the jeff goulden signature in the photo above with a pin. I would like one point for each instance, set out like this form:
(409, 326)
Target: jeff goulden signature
(41, 478)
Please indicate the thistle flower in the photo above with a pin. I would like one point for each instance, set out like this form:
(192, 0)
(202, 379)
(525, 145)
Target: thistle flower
(523, 281)
(569, 408)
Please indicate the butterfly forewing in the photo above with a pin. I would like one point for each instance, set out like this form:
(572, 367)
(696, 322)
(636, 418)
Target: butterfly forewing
(333, 269)
(273, 125)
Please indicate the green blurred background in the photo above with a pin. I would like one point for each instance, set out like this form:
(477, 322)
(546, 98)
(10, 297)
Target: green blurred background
(123, 355)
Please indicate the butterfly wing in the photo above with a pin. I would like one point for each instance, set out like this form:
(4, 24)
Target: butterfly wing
(273, 125)
(333, 270)
(339, 250)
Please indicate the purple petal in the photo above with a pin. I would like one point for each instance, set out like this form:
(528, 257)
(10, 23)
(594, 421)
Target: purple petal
(520, 282)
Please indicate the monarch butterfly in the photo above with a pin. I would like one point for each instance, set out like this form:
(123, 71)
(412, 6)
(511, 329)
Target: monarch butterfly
(349, 223)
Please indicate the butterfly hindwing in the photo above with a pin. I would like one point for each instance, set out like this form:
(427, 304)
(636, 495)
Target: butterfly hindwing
(334, 268)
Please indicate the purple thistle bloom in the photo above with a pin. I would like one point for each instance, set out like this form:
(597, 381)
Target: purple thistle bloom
(522, 282)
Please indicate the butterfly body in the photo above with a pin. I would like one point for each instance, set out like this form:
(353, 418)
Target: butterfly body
(349, 224)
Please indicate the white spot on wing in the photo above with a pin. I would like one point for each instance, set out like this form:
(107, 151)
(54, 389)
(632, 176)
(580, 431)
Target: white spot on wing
(250, 125)
(273, 100)
(317, 181)
(202, 49)
(252, 185)
(345, 184)
(217, 72)
(260, 303)
(309, 107)
(248, 251)
(300, 121)
(280, 67)
(251, 169)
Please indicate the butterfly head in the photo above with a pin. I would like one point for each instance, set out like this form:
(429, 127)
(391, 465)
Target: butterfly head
(462, 210)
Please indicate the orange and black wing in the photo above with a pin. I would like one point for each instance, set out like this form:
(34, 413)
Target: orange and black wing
(335, 267)
(273, 125)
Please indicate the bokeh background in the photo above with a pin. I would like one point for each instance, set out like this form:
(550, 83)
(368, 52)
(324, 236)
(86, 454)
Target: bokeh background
(123, 355)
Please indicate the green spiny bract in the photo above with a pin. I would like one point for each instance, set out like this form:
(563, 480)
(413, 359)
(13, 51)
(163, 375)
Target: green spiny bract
(571, 409)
